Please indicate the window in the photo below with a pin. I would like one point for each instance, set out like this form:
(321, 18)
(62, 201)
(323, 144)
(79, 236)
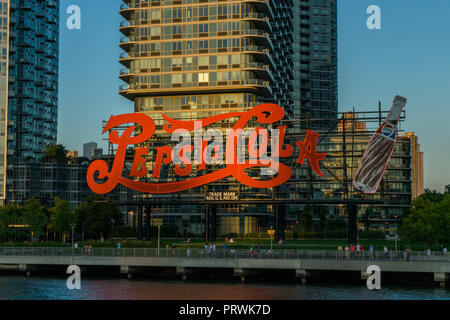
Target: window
(177, 62)
(203, 77)
(221, 60)
(203, 28)
(177, 78)
(156, 14)
(203, 61)
(155, 31)
(203, 44)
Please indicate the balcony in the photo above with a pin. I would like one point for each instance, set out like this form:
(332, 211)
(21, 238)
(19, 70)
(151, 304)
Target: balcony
(263, 52)
(260, 19)
(125, 74)
(126, 42)
(258, 86)
(126, 10)
(263, 71)
(126, 27)
(125, 59)
(260, 36)
(262, 5)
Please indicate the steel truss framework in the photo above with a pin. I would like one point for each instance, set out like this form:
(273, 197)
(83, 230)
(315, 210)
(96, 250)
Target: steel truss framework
(344, 131)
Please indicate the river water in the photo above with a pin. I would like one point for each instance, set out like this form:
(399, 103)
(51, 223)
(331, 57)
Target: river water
(14, 287)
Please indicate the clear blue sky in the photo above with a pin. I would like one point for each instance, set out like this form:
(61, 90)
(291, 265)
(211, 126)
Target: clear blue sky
(409, 56)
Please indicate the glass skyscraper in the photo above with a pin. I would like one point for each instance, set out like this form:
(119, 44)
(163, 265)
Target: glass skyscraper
(315, 62)
(4, 45)
(29, 84)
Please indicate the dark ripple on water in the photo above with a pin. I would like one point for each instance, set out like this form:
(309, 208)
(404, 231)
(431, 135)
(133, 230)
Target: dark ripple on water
(46, 288)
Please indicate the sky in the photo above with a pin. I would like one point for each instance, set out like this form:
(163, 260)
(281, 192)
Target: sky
(409, 56)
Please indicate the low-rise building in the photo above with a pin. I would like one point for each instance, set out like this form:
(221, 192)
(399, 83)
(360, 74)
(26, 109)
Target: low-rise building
(49, 179)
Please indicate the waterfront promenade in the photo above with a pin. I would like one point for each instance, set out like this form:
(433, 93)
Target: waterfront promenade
(242, 262)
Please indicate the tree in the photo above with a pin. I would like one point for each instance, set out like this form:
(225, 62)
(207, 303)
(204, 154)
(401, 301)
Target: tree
(10, 214)
(432, 196)
(428, 221)
(306, 220)
(33, 215)
(97, 217)
(57, 152)
(62, 218)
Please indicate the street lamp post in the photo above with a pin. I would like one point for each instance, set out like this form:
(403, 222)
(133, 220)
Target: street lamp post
(159, 236)
(73, 226)
(396, 238)
(271, 233)
(158, 223)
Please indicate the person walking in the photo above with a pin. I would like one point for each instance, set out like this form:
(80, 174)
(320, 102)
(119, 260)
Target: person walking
(408, 253)
(167, 249)
(118, 248)
(174, 247)
(213, 246)
(347, 252)
(428, 254)
(206, 248)
(340, 253)
(352, 251)
(371, 252)
(211, 250)
(386, 252)
(224, 250)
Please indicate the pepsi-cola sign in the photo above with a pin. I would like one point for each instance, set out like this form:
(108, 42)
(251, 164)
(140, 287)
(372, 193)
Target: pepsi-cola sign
(243, 148)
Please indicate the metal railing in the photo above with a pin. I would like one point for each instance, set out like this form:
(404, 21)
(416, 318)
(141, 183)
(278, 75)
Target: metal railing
(288, 254)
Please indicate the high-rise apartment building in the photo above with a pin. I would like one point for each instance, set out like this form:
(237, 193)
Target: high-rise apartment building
(4, 55)
(196, 58)
(416, 166)
(89, 150)
(192, 59)
(29, 84)
(315, 62)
